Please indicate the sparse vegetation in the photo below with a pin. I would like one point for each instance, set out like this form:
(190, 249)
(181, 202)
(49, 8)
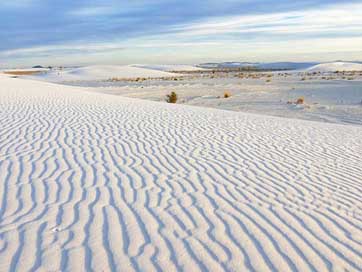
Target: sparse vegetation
(171, 98)
(227, 94)
(22, 73)
(300, 101)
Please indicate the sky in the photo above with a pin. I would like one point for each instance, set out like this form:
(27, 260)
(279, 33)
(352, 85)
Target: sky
(80, 32)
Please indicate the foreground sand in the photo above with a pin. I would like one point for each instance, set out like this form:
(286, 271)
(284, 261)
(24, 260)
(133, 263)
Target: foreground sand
(96, 182)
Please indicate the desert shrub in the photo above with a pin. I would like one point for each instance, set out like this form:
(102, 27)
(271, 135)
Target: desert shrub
(300, 101)
(268, 80)
(227, 94)
(171, 98)
(113, 79)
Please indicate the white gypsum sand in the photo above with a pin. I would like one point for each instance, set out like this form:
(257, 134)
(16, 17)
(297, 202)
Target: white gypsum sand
(100, 72)
(95, 181)
(328, 97)
(170, 67)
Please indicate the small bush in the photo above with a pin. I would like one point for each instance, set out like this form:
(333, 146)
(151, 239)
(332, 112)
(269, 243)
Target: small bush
(171, 98)
(300, 101)
(227, 94)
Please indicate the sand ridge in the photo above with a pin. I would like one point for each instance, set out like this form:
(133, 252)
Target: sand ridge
(92, 181)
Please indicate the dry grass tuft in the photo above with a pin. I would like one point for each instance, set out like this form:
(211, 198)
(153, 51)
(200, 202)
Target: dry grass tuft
(171, 98)
(300, 101)
(227, 94)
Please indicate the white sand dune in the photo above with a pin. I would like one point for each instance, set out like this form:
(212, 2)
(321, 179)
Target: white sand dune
(170, 67)
(97, 182)
(101, 72)
(336, 66)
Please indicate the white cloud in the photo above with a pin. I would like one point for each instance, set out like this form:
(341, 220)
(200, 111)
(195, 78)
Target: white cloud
(339, 18)
(94, 11)
(318, 34)
(109, 7)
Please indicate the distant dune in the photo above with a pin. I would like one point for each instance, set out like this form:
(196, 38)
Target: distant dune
(336, 66)
(170, 68)
(260, 65)
(102, 72)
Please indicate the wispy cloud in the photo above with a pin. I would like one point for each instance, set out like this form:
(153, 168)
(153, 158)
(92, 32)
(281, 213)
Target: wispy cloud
(335, 19)
(33, 30)
(94, 11)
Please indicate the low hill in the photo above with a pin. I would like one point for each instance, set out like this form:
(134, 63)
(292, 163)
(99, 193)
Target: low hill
(259, 65)
(336, 66)
(170, 67)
